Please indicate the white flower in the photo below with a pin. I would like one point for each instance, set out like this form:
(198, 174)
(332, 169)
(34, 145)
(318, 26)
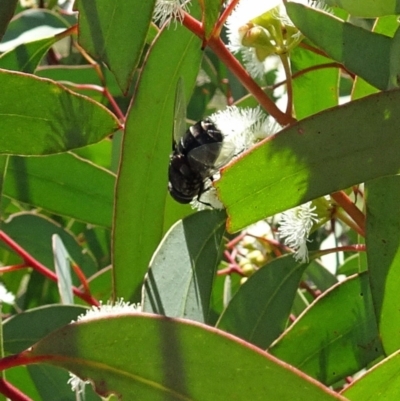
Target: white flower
(109, 309)
(253, 65)
(166, 10)
(6, 296)
(77, 384)
(295, 227)
(241, 128)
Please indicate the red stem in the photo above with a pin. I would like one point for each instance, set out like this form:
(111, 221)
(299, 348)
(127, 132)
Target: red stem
(12, 392)
(237, 69)
(235, 241)
(230, 270)
(114, 104)
(32, 262)
(23, 358)
(350, 208)
(224, 16)
(347, 248)
(81, 276)
(8, 269)
(314, 293)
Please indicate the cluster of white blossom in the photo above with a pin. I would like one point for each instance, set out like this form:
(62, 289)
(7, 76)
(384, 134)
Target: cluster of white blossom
(241, 129)
(294, 228)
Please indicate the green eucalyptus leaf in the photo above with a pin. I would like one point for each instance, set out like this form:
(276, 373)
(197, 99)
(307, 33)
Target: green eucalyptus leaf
(7, 8)
(142, 182)
(320, 276)
(115, 33)
(80, 74)
(26, 328)
(336, 336)
(260, 309)
(383, 255)
(62, 267)
(367, 8)
(394, 79)
(40, 117)
(64, 184)
(387, 26)
(211, 12)
(149, 357)
(34, 233)
(314, 157)
(380, 383)
(365, 53)
(182, 271)
(21, 379)
(27, 56)
(315, 90)
(32, 25)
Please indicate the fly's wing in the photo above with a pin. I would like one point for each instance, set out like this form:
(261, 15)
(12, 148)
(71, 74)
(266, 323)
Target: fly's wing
(209, 158)
(180, 111)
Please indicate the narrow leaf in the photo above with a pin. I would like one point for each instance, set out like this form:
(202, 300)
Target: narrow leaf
(383, 255)
(62, 268)
(142, 182)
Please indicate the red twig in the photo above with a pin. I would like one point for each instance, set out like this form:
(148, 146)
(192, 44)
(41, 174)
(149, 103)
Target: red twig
(8, 269)
(236, 240)
(23, 358)
(224, 16)
(351, 209)
(347, 248)
(233, 267)
(82, 278)
(12, 392)
(230, 270)
(32, 262)
(314, 293)
(237, 69)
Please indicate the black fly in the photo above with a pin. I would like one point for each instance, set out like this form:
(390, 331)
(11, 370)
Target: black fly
(197, 154)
